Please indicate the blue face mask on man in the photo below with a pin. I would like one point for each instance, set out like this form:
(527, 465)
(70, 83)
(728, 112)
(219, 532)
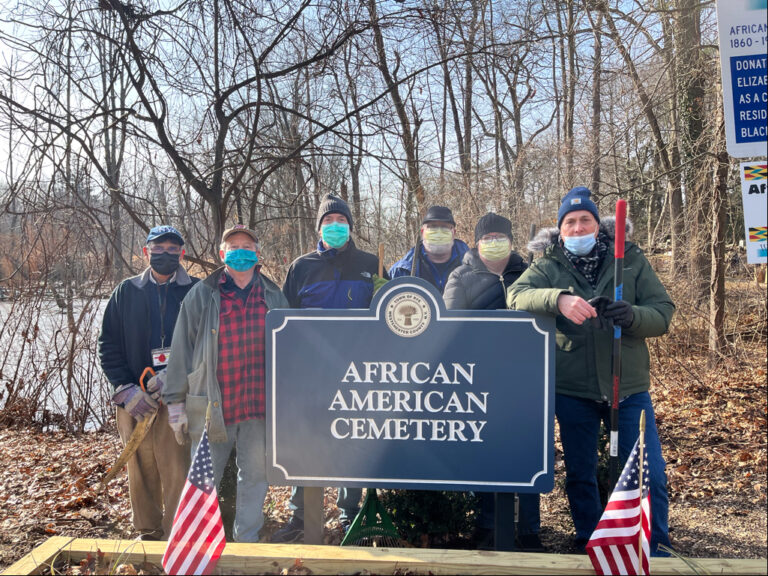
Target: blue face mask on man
(241, 259)
(335, 235)
(580, 245)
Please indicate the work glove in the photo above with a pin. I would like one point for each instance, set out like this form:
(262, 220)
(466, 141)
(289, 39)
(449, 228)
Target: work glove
(155, 385)
(620, 312)
(378, 282)
(138, 403)
(601, 322)
(177, 419)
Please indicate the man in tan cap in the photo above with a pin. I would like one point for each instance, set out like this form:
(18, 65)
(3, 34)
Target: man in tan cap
(218, 367)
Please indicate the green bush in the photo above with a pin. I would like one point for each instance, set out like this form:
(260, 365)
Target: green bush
(431, 518)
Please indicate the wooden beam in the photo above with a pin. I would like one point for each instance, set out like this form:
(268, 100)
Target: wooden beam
(271, 558)
(39, 556)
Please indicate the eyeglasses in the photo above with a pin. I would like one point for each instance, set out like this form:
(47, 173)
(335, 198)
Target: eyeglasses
(159, 249)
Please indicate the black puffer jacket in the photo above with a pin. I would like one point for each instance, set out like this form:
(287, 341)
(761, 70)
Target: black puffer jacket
(473, 287)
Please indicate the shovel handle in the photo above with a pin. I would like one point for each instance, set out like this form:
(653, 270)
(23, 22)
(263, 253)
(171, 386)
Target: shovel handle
(144, 375)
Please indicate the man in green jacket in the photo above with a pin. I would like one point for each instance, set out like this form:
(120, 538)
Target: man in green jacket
(217, 371)
(577, 266)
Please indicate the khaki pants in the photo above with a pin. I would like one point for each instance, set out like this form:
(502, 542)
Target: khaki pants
(156, 473)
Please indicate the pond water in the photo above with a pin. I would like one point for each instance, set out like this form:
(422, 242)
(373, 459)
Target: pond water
(41, 362)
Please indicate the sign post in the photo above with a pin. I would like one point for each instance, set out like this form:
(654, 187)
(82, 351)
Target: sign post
(743, 43)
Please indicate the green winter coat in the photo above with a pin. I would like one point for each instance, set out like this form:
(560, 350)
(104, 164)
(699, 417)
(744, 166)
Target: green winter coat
(191, 376)
(583, 357)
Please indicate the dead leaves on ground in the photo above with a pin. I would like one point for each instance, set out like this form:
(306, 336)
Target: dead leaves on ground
(45, 488)
(712, 424)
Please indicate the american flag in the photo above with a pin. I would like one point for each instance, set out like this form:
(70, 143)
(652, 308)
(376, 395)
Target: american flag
(197, 536)
(613, 547)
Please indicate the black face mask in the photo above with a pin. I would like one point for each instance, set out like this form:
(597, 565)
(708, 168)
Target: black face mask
(164, 264)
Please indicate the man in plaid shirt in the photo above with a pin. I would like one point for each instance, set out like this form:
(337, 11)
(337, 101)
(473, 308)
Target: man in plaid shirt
(217, 371)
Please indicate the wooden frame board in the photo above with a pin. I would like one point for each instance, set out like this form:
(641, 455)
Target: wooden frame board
(272, 558)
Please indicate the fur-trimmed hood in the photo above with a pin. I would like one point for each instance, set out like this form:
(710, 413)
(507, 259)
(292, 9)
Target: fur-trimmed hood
(548, 236)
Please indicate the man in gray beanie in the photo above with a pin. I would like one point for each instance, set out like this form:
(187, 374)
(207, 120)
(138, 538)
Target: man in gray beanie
(335, 275)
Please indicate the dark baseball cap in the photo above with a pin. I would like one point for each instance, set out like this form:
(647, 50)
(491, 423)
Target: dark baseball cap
(160, 232)
(439, 214)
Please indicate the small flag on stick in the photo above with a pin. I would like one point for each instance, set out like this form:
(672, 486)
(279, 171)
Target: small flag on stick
(197, 536)
(621, 542)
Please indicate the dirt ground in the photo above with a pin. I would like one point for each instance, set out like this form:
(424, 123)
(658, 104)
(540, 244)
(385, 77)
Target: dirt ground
(712, 423)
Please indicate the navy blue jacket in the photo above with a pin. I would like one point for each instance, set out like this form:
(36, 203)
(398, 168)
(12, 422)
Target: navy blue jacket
(125, 346)
(426, 269)
(331, 278)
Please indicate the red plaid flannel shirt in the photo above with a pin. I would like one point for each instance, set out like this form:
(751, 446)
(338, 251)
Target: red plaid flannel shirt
(241, 368)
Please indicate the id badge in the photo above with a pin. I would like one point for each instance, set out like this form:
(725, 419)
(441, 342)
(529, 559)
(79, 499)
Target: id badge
(160, 357)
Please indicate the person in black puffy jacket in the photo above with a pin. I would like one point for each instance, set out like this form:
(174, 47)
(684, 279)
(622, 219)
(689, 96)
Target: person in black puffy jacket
(481, 283)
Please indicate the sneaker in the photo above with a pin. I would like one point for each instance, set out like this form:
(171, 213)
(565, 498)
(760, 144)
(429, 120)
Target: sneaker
(529, 543)
(153, 536)
(291, 532)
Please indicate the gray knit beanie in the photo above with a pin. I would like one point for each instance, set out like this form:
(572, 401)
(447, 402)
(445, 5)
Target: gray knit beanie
(333, 204)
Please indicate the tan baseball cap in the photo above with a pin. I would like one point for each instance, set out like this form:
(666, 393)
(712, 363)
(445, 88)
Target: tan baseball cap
(239, 228)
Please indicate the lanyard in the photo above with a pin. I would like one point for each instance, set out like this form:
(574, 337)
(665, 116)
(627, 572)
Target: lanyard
(163, 305)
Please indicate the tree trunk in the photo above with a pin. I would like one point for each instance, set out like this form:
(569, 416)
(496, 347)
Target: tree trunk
(596, 109)
(717, 342)
(674, 193)
(694, 143)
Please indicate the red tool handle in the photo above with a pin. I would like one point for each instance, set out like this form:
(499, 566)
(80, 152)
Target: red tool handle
(621, 227)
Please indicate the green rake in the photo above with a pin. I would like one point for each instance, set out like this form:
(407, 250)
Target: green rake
(372, 526)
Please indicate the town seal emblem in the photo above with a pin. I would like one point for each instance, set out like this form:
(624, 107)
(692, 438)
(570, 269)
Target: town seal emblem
(408, 314)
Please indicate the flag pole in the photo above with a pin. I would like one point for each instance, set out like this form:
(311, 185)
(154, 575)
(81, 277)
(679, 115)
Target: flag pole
(641, 474)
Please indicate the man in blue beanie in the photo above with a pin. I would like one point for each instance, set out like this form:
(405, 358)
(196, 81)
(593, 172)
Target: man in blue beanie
(573, 281)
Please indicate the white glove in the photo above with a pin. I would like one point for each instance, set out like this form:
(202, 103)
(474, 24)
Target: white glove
(177, 419)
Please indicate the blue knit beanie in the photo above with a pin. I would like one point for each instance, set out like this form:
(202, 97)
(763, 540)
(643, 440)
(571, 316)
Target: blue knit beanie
(577, 199)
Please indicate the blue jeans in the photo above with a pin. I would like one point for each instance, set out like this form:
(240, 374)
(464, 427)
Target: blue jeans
(528, 521)
(579, 421)
(251, 440)
(348, 502)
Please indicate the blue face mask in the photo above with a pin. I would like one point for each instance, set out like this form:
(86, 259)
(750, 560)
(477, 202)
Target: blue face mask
(240, 259)
(335, 235)
(580, 245)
